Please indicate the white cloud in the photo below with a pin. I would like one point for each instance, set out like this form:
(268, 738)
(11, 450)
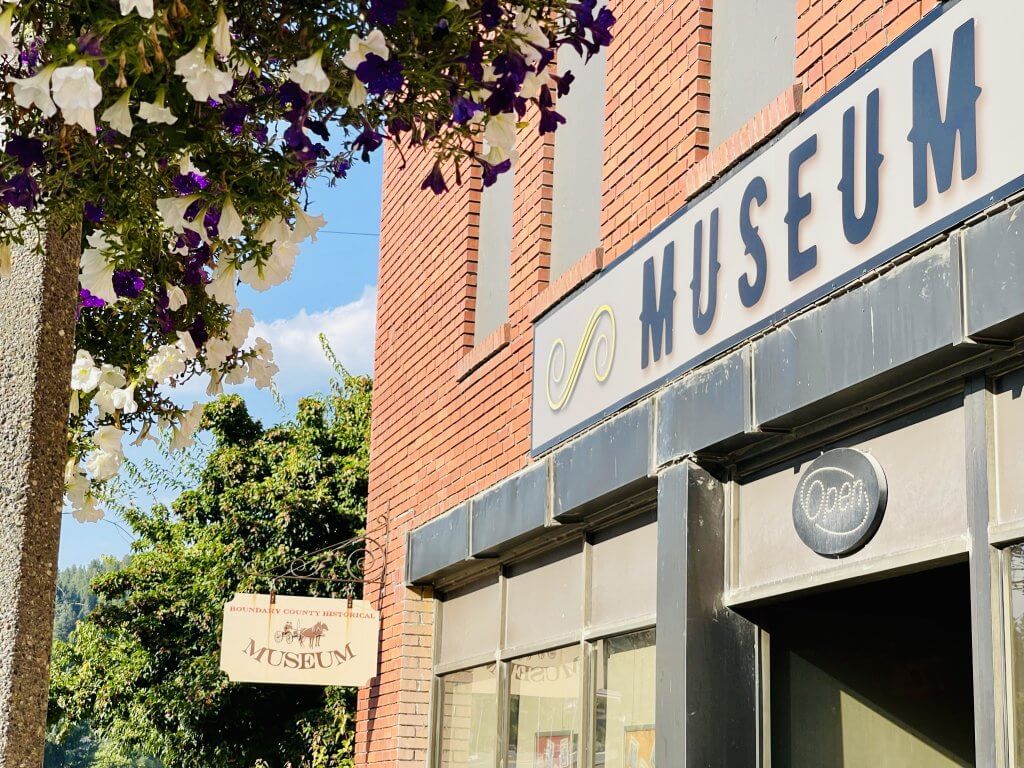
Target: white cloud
(349, 329)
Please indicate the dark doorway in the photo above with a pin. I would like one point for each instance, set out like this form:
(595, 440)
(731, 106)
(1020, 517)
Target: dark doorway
(874, 676)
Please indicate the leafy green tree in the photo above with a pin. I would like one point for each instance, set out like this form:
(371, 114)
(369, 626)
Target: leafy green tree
(142, 668)
(75, 597)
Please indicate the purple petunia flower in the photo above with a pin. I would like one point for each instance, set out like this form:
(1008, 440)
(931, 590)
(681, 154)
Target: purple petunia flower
(563, 83)
(340, 168)
(89, 44)
(435, 181)
(128, 283)
(87, 300)
(29, 57)
(384, 12)
(195, 273)
(25, 150)
(380, 75)
(198, 331)
(189, 183)
(492, 172)
(94, 213)
(549, 121)
(474, 61)
(20, 191)
(367, 141)
(234, 118)
(602, 28)
(211, 221)
(464, 109)
(490, 13)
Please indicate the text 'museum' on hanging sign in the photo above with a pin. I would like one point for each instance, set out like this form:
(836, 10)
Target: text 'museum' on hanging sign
(924, 136)
(299, 640)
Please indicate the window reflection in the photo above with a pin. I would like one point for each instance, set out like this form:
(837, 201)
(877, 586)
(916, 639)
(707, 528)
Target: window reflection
(624, 705)
(469, 718)
(1017, 642)
(544, 692)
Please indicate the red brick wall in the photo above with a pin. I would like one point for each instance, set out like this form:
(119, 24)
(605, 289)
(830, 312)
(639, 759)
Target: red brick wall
(437, 440)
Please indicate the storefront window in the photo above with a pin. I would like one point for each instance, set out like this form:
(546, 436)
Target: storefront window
(544, 712)
(624, 704)
(1016, 556)
(469, 718)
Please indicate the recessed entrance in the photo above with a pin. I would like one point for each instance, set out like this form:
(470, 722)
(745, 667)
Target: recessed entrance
(875, 676)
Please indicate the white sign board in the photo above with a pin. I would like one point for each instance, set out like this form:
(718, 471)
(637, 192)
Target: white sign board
(299, 640)
(924, 136)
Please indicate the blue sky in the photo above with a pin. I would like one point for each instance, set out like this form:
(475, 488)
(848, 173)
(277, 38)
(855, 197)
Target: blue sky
(332, 290)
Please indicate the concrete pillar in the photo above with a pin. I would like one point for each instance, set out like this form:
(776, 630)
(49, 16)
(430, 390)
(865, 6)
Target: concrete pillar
(37, 330)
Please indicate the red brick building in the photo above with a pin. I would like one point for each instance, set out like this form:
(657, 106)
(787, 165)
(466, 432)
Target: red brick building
(692, 93)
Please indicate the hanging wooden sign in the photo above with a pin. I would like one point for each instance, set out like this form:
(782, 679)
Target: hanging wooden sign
(299, 640)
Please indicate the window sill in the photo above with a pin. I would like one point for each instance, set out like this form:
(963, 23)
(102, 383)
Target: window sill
(566, 283)
(763, 126)
(483, 351)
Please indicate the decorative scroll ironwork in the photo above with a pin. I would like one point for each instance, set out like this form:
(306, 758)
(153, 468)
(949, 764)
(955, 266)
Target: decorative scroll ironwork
(357, 562)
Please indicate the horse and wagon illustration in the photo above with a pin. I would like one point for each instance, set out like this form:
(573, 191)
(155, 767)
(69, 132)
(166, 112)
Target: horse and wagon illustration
(292, 632)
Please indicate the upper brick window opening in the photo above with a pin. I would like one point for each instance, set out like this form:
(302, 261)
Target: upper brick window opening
(494, 256)
(753, 60)
(578, 166)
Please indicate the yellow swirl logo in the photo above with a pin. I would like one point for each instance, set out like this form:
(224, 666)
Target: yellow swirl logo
(598, 335)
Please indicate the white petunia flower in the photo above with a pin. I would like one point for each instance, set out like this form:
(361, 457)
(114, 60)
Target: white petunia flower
(222, 287)
(166, 363)
(500, 138)
(119, 116)
(187, 345)
(35, 91)
(97, 273)
(185, 164)
(276, 270)
(172, 211)
(112, 376)
(108, 439)
(274, 231)
(357, 93)
(531, 86)
(87, 511)
(176, 298)
(217, 352)
(359, 47)
(216, 386)
(532, 36)
(239, 326)
(155, 111)
(7, 47)
(230, 226)
(309, 75)
(105, 461)
(236, 375)
(76, 484)
(202, 78)
(77, 93)
(85, 375)
(307, 226)
(142, 7)
(222, 34)
(262, 368)
(124, 399)
(182, 434)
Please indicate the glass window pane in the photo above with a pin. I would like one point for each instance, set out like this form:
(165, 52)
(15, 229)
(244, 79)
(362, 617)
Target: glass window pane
(469, 718)
(624, 707)
(544, 710)
(1017, 643)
